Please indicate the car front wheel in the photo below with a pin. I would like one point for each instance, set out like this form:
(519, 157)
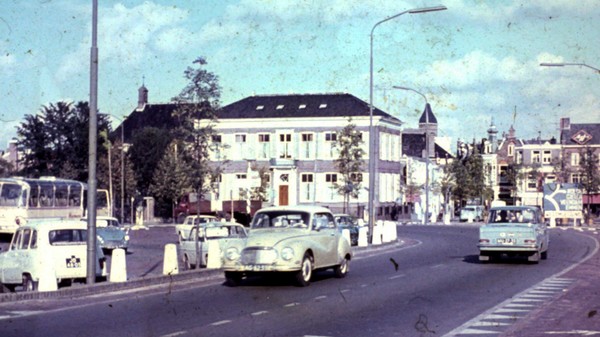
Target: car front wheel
(342, 269)
(304, 275)
(233, 278)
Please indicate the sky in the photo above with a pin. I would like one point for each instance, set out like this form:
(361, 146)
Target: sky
(475, 62)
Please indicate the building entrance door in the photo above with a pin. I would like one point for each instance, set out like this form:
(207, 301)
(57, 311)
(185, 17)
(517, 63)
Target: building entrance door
(283, 195)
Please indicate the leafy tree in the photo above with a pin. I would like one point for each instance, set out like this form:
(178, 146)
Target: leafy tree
(589, 174)
(148, 147)
(468, 178)
(5, 168)
(196, 110)
(55, 141)
(350, 161)
(261, 192)
(170, 181)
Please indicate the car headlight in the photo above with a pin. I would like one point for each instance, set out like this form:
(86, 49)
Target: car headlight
(232, 254)
(126, 237)
(287, 253)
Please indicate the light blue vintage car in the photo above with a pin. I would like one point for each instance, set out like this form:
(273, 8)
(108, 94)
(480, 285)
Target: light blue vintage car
(290, 239)
(514, 231)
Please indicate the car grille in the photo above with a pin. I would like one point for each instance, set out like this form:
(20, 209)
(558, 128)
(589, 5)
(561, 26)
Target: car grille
(259, 255)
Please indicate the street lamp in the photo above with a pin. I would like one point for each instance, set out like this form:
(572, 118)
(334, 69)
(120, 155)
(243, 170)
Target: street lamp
(371, 129)
(569, 64)
(427, 109)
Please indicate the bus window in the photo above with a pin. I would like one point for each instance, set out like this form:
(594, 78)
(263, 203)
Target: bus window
(33, 196)
(10, 194)
(61, 195)
(46, 195)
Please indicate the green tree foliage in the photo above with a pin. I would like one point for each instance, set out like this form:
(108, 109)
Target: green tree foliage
(261, 192)
(5, 168)
(55, 141)
(170, 181)
(466, 178)
(148, 147)
(589, 174)
(349, 163)
(196, 110)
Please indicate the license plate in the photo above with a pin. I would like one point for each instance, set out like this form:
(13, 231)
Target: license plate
(506, 241)
(256, 267)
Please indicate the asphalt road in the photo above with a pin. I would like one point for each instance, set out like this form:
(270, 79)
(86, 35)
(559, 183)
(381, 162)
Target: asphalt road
(437, 286)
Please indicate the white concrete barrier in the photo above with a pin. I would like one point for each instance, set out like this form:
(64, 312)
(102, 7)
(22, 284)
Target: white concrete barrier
(377, 232)
(48, 281)
(363, 239)
(214, 255)
(170, 263)
(118, 266)
(386, 232)
(346, 234)
(392, 234)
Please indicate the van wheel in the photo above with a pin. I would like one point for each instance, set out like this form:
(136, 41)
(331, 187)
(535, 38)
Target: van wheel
(28, 283)
(304, 275)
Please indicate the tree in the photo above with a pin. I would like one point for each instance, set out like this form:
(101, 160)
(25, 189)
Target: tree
(350, 161)
(55, 141)
(5, 168)
(196, 110)
(589, 175)
(466, 178)
(148, 147)
(170, 181)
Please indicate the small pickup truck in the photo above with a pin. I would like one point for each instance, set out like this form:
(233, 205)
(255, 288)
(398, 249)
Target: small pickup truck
(514, 231)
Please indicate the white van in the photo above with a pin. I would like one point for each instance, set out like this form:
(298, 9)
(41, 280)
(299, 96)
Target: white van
(54, 246)
(474, 212)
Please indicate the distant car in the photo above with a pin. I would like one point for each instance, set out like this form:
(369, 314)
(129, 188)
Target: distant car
(183, 230)
(350, 223)
(48, 246)
(475, 213)
(514, 231)
(111, 234)
(221, 233)
(290, 239)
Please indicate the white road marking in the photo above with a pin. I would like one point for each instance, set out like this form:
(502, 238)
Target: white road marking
(478, 332)
(397, 276)
(291, 305)
(258, 313)
(178, 333)
(318, 298)
(574, 332)
(223, 322)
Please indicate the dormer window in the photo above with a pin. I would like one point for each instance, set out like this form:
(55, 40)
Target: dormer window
(260, 107)
(302, 106)
(279, 107)
(323, 106)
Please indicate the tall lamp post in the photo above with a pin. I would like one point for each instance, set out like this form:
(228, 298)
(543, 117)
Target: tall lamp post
(372, 148)
(545, 64)
(427, 109)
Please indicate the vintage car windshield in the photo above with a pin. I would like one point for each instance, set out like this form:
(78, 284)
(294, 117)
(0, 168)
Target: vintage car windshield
(512, 216)
(280, 219)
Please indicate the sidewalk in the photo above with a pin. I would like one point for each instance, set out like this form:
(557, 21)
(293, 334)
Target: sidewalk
(575, 312)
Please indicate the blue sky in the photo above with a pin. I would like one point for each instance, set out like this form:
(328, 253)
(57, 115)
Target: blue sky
(474, 61)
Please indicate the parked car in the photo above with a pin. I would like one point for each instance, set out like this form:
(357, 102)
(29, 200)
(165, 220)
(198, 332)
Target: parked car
(183, 229)
(514, 231)
(474, 212)
(349, 222)
(291, 239)
(222, 233)
(111, 234)
(48, 246)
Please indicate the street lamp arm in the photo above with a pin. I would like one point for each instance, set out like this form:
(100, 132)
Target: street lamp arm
(413, 90)
(562, 64)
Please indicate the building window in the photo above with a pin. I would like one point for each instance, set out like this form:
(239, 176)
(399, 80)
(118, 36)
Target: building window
(535, 157)
(511, 150)
(331, 139)
(264, 146)
(216, 138)
(307, 187)
(240, 138)
(331, 178)
(285, 150)
(307, 145)
(547, 157)
(241, 176)
(576, 178)
(575, 159)
(356, 177)
(519, 158)
(240, 141)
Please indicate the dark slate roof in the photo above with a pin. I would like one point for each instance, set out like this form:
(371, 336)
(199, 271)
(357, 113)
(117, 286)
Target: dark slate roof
(273, 106)
(592, 129)
(427, 113)
(299, 106)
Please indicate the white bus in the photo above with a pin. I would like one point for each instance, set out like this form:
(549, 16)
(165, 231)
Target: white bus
(46, 197)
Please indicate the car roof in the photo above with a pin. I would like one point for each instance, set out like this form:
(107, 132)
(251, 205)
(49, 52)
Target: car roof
(302, 208)
(55, 223)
